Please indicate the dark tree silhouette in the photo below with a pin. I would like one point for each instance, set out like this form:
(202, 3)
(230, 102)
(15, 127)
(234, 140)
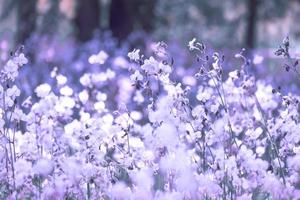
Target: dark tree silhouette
(87, 19)
(252, 18)
(128, 15)
(26, 19)
(121, 20)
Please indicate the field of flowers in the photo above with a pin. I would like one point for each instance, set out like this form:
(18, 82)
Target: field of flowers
(126, 123)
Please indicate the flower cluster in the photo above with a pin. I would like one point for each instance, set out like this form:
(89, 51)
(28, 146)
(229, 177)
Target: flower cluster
(207, 136)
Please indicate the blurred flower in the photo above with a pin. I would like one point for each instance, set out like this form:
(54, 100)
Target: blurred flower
(43, 90)
(99, 58)
(257, 59)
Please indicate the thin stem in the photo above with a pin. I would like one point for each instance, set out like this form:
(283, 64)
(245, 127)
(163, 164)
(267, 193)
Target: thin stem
(270, 139)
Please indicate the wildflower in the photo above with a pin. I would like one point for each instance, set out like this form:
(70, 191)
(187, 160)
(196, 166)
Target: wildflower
(21, 60)
(151, 66)
(101, 96)
(11, 69)
(134, 55)
(85, 80)
(43, 167)
(137, 76)
(66, 91)
(83, 96)
(99, 58)
(99, 106)
(61, 80)
(258, 59)
(121, 62)
(54, 72)
(165, 68)
(194, 45)
(203, 96)
(43, 90)
(13, 91)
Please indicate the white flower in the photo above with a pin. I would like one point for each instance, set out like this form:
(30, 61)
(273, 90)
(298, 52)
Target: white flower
(151, 66)
(119, 191)
(203, 96)
(101, 96)
(13, 91)
(124, 120)
(136, 115)
(99, 106)
(194, 45)
(99, 58)
(27, 103)
(66, 91)
(23, 169)
(83, 96)
(43, 167)
(234, 74)
(85, 80)
(137, 76)
(98, 78)
(165, 68)
(67, 102)
(110, 74)
(11, 69)
(258, 59)
(11, 66)
(167, 135)
(191, 44)
(143, 178)
(43, 90)
(121, 62)
(134, 55)
(21, 60)
(53, 72)
(61, 80)
(138, 97)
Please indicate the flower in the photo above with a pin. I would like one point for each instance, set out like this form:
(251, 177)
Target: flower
(85, 80)
(194, 45)
(191, 44)
(43, 90)
(165, 68)
(61, 80)
(137, 76)
(43, 167)
(99, 58)
(21, 60)
(66, 91)
(83, 96)
(134, 55)
(151, 66)
(258, 59)
(99, 106)
(11, 69)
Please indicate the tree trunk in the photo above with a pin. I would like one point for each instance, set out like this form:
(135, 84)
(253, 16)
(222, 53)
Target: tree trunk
(251, 30)
(126, 15)
(121, 20)
(87, 19)
(26, 16)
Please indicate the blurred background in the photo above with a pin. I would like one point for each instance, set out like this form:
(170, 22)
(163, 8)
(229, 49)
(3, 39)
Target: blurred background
(64, 33)
(230, 23)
